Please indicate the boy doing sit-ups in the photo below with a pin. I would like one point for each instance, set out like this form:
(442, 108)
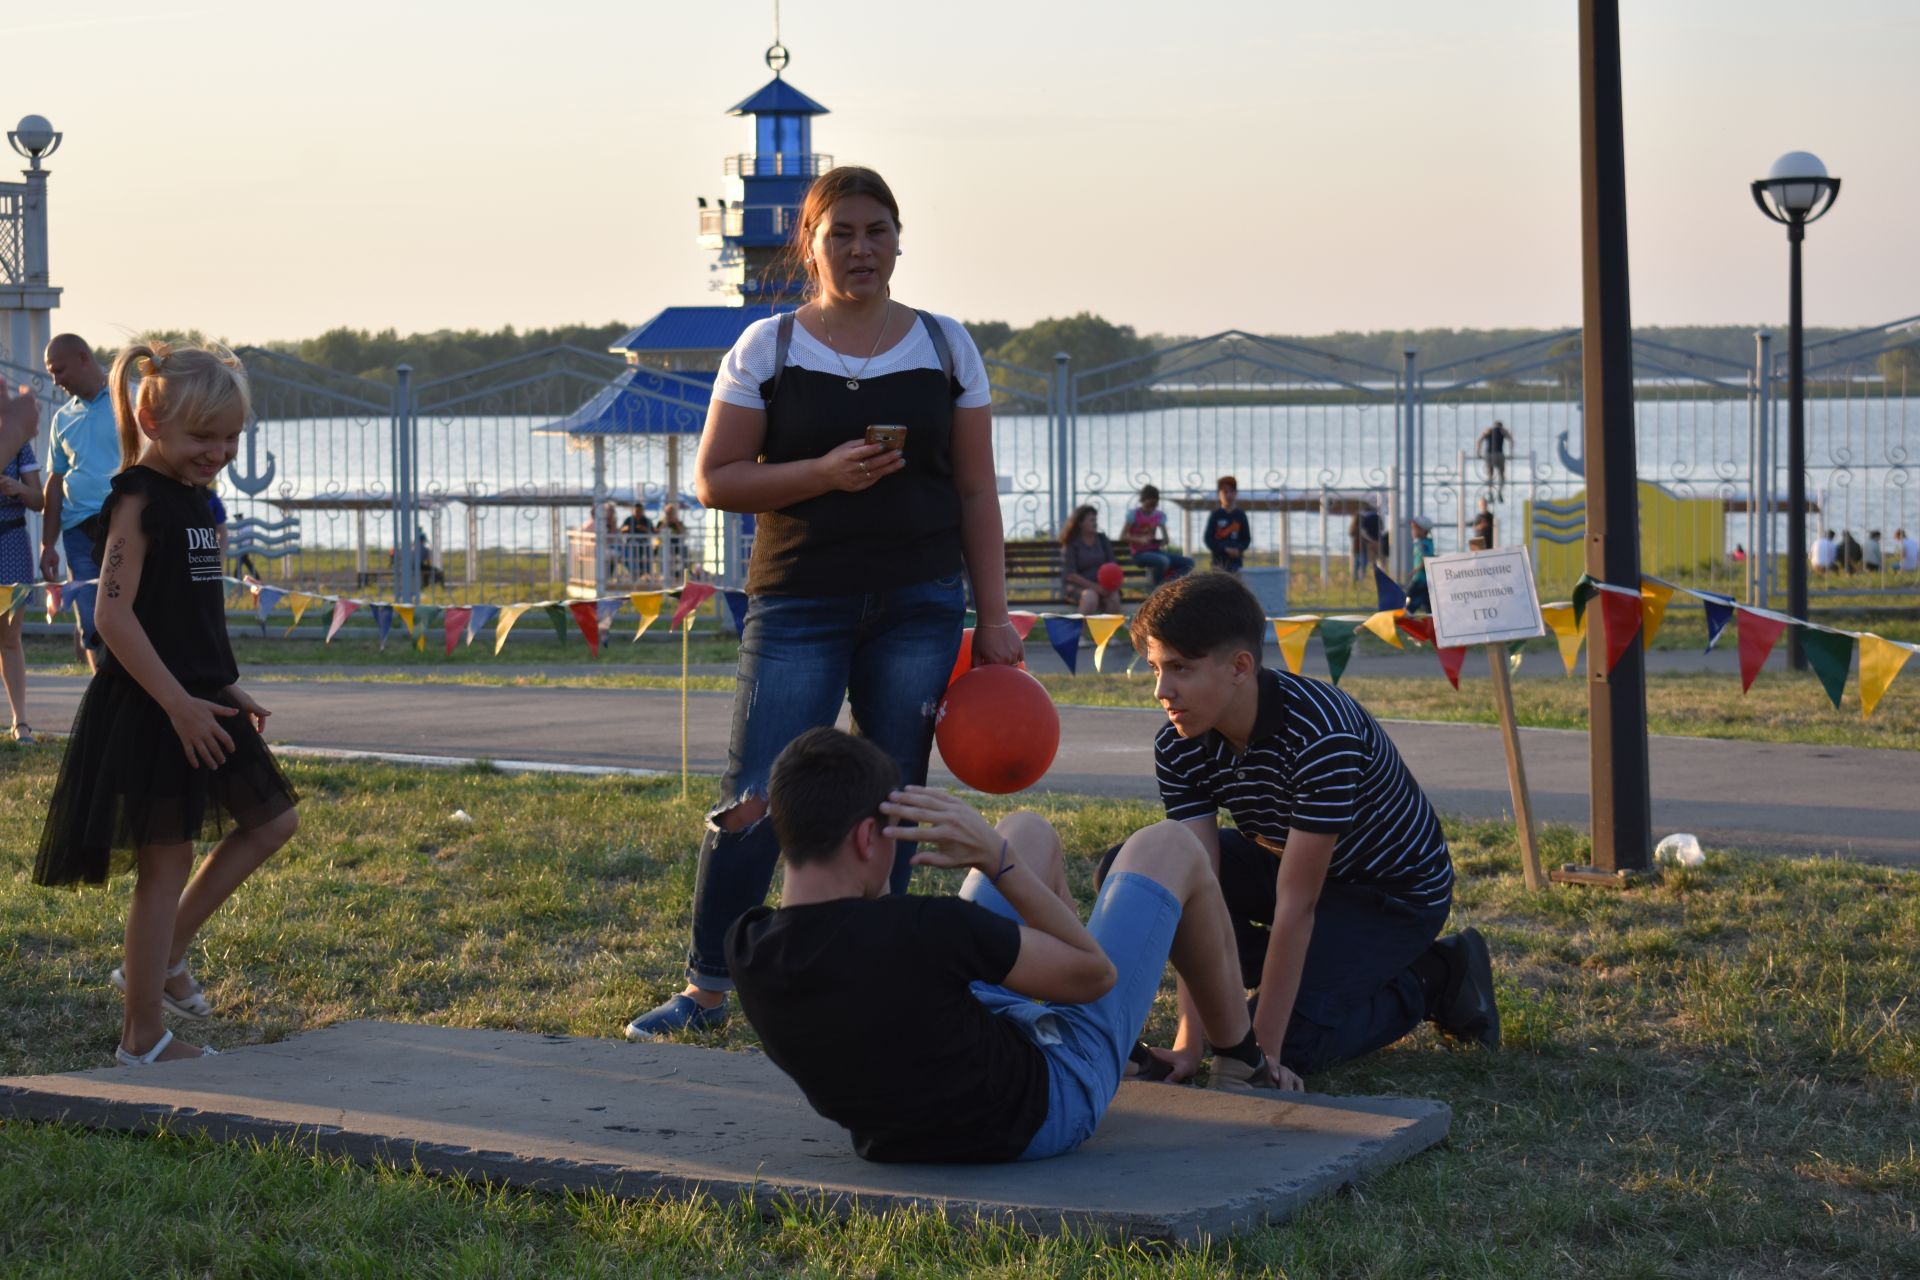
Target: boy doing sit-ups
(984, 1027)
(1336, 874)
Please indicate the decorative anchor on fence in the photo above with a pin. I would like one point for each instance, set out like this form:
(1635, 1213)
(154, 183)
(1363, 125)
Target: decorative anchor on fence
(1578, 466)
(251, 482)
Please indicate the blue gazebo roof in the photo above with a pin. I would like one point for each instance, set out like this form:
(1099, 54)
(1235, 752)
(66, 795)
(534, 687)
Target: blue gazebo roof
(641, 402)
(777, 96)
(693, 329)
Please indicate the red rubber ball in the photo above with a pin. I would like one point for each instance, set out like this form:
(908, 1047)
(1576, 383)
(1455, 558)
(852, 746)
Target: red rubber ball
(997, 730)
(1110, 576)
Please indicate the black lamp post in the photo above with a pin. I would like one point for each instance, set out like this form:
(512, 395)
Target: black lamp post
(1796, 191)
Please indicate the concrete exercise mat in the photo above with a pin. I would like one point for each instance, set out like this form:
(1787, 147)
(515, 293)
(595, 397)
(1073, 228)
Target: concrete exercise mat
(1169, 1162)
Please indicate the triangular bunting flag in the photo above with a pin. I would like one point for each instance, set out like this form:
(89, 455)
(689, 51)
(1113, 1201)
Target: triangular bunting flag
(1880, 662)
(1389, 592)
(1103, 626)
(1338, 644)
(1064, 635)
(482, 615)
(586, 616)
(299, 602)
(1451, 659)
(264, 598)
(1719, 614)
(1830, 653)
(647, 605)
(405, 613)
(509, 614)
(607, 610)
(1023, 623)
(17, 597)
(1654, 595)
(1568, 633)
(342, 610)
(1292, 634)
(692, 595)
(1381, 624)
(430, 616)
(1583, 591)
(1757, 636)
(456, 625)
(54, 591)
(1620, 618)
(557, 619)
(383, 621)
(1420, 629)
(737, 608)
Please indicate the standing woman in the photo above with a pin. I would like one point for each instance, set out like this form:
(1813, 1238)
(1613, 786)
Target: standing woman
(20, 493)
(857, 586)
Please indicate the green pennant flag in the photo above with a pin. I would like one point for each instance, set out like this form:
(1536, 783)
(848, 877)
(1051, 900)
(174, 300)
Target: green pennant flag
(558, 617)
(1831, 655)
(1583, 591)
(1338, 643)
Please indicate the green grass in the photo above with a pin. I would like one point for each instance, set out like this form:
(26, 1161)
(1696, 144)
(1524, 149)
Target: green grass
(1715, 1075)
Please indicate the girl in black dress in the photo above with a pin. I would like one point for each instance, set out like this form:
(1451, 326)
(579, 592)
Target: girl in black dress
(165, 745)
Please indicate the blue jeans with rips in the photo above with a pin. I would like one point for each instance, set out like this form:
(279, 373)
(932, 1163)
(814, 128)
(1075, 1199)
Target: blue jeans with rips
(889, 654)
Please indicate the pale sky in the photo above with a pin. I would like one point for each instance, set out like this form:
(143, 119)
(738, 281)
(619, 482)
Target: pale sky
(272, 169)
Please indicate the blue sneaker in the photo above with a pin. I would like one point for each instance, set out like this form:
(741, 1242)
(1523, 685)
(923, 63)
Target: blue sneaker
(680, 1013)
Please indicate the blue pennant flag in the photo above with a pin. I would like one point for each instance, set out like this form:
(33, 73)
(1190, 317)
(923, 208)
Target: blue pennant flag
(383, 619)
(1064, 635)
(264, 602)
(1391, 596)
(737, 606)
(1719, 614)
(482, 615)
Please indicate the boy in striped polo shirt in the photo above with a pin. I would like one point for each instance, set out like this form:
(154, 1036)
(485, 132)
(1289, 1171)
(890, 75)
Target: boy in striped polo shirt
(1336, 872)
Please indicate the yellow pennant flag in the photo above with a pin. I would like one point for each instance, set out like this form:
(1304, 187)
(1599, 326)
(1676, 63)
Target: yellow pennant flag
(1566, 632)
(17, 597)
(509, 614)
(1381, 624)
(300, 602)
(647, 605)
(1880, 662)
(1292, 634)
(404, 612)
(1103, 625)
(1653, 607)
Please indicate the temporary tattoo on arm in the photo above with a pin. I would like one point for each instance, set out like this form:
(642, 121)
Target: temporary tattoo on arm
(116, 556)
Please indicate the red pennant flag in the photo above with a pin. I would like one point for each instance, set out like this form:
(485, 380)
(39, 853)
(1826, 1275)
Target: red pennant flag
(456, 621)
(1758, 633)
(1023, 623)
(342, 610)
(692, 595)
(54, 591)
(586, 616)
(1450, 660)
(1621, 616)
(1420, 629)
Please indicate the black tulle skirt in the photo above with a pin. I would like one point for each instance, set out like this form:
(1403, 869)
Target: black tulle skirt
(126, 782)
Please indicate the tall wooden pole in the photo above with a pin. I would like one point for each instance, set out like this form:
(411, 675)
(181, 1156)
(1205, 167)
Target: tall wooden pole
(1616, 700)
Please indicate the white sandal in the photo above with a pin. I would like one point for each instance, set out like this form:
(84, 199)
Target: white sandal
(192, 1005)
(151, 1056)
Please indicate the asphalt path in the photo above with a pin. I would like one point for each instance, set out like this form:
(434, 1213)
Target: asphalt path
(1772, 797)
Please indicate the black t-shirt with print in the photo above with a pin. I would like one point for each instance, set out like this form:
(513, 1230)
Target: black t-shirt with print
(181, 603)
(865, 1003)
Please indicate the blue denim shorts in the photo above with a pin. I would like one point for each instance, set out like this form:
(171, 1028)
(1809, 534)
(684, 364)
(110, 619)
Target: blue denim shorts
(1086, 1045)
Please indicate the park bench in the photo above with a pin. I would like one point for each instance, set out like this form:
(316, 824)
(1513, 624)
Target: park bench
(1033, 574)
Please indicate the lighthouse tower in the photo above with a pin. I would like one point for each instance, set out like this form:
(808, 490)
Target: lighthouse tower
(754, 221)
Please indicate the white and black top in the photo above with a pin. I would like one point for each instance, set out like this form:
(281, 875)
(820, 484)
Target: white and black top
(901, 531)
(181, 603)
(1316, 762)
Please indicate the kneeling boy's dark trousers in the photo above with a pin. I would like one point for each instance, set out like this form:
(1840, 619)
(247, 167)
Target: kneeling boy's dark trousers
(1358, 991)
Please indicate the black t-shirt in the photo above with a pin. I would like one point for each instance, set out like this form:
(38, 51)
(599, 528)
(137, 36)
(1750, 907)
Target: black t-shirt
(1227, 528)
(181, 603)
(865, 1004)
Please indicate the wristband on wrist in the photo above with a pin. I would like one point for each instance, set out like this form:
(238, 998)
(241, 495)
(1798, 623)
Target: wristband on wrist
(1005, 866)
(1007, 625)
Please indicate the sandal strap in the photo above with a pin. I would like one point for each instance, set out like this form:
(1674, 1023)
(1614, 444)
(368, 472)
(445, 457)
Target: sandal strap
(178, 970)
(147, 1059)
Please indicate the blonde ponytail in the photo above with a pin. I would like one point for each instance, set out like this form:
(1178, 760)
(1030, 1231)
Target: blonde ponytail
(182, 385)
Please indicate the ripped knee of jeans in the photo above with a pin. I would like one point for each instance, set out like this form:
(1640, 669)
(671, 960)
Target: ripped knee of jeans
(746, 812)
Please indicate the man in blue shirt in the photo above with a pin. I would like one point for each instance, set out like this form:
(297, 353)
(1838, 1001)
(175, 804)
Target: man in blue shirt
(83, 457)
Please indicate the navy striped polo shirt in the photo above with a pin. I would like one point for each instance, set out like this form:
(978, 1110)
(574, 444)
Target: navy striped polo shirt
(1316, 762)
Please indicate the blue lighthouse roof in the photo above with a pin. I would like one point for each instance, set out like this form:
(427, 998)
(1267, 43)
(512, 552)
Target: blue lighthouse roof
(777, 95)
(640, 402)
(686, 330)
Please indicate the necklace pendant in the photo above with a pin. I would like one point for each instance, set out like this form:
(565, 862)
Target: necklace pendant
(853, 384)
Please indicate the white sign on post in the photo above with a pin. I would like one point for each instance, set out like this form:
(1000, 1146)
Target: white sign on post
(1483, 597)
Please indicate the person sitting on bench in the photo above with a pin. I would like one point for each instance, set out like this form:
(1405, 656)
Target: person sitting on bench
(986, 1027)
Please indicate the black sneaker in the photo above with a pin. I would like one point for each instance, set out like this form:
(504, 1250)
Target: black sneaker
(1468, 1010)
